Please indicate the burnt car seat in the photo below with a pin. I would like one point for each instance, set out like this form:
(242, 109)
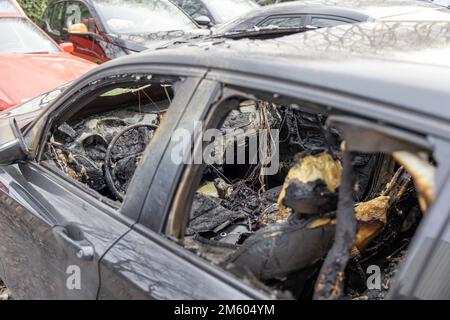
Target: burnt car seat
(278, 250)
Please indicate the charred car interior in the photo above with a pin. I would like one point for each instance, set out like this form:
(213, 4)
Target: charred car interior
(101, 143)
(346, 194)
(344, 197)
(239, 164)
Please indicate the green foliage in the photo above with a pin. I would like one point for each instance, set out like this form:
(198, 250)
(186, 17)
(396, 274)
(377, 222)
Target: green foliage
(34, 8)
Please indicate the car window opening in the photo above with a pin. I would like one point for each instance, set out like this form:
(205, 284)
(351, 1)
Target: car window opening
(102, 144)
(275, 231)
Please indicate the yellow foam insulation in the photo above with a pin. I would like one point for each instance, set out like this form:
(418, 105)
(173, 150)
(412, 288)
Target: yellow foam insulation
(372, 218)
(424, 175)
(311, 168)
(209, 189)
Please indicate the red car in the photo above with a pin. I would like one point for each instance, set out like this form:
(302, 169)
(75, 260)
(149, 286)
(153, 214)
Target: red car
(31, 63)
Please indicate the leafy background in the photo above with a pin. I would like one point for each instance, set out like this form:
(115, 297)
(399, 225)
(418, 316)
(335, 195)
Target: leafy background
(34, 8)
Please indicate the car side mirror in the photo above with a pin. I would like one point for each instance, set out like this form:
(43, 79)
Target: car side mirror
(203, 21)
(12, 143)
(78, 28)
(67, 47)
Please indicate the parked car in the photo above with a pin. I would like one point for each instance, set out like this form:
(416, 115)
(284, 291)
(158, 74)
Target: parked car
(102, 30)
(313, 14)
(212, 12)
(97, 198)
(31, 62)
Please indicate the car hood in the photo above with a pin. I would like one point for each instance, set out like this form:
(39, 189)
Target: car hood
(141, 42)
(24, 76)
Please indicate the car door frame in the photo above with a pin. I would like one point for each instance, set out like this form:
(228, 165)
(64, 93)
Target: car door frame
(431, 242)
(354, 105)
(94, 37)
(98, 21)
(194, 75)
(187, 87)
(165, 254)
(47, 22)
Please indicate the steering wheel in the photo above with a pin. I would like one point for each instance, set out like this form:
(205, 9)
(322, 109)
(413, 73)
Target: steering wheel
(129, 149)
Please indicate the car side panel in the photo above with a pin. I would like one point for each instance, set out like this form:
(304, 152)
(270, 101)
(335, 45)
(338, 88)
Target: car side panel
(36, 262)
(18, 230)
(146, 266)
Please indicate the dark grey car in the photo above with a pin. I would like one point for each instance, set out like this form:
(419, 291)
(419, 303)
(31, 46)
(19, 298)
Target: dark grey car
(94, 206)
(314, 14)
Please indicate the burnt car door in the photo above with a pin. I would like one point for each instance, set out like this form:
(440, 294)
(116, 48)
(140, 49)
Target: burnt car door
(145, 264)
(52, 236)
(53, 230)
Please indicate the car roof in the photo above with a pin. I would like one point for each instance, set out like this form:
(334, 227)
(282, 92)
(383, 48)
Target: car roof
(379, 9)
(303, 7)
(403, 64)
(358, 10)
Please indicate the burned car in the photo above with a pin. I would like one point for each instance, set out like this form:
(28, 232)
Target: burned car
(281, 169)
(300, 16)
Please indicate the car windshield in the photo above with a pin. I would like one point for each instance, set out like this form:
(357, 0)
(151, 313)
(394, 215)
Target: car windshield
(7, 7)
(142, 16)
(229, 9)
(18, 35)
